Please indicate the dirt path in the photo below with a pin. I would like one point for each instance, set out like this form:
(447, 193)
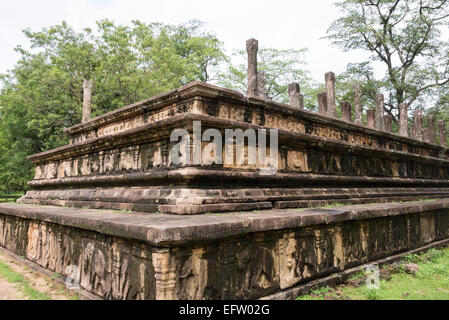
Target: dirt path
(19, 282)
(8, 291)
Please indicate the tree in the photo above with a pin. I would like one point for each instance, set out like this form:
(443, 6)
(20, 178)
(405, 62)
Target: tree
(406, 37)
(42, 94)
(281, 68)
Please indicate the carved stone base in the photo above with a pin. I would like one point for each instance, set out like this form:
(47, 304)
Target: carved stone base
(122, 255)
(183, 200)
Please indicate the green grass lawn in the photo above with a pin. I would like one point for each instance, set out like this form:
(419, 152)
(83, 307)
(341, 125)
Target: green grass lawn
(29, 284)
(431, 282)
(21, 283)
(17, 194)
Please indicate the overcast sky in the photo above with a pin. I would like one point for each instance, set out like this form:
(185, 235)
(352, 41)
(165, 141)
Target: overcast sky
(280, 24)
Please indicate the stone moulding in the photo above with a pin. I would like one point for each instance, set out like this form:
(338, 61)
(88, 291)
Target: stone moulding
(199, 90)
(145, 132)
(121, 160)
(228, 256)
(164, 230)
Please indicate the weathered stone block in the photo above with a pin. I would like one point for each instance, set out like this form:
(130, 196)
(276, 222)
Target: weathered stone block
(237, 256)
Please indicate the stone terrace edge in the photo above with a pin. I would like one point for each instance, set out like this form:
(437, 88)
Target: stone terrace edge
(166, 230)
(106, 140)
(201, 89)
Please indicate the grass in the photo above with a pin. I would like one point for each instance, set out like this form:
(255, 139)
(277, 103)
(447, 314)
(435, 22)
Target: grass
(339, 204)
(18, 193)
(4, 198)
(124, 211)
(21, 283)
(56, 275)
(73, 297)
(298, 209)
(431, 282)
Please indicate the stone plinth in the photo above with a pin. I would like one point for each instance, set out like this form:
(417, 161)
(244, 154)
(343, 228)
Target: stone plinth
(128, 255)
(122, 160)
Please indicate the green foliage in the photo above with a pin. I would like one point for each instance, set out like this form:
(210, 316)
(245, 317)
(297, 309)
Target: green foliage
(281, 67)
(431, 255)
(405, 36)
(42, 94)
(371, 294)
(316, 294)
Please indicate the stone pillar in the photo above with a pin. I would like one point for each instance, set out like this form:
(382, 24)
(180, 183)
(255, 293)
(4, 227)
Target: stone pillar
(418, 125)
(358, 105)
(261, 85)
(379, 111)
(295, 96)
(346, 110)
(432, 129)
(330, 94)
(442, 132)
(425, 135)
(252, 46)
(388, 119)
(370, 118)
(412, 131)
(87, 101)
(322, 103)
(403, 120)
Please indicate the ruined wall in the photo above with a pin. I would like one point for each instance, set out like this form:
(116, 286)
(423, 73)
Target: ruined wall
(296, 155)
(110, 267)
(226, 105)
(263, 263)
(131, 147)
(245, 266)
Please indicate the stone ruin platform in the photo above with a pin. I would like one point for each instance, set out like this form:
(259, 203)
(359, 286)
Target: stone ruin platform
(245, 255)
(112, 205)
(121, 160)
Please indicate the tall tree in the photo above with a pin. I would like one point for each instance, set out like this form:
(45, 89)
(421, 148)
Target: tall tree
(409, 37)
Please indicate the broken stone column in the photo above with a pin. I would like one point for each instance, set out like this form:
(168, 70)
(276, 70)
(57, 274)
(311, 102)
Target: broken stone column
(412, 131)
(388, 119)
(370, 118)
(296, 99)
(432, 129)
(87, 101)
(425, 135)
(358, 105)
(442, 132)
(261, 85)
(301, 101)
(380, 111)
(346, 111)
(322, 103)
(252, 46)
(330, 94)
(418, 125)
(403, 120)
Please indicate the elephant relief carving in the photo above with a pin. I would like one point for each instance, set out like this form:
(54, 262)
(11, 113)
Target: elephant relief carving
(193, 275)
(264, 269)
(130, 277)
(288, 249)
(33, 244)
(95, 272)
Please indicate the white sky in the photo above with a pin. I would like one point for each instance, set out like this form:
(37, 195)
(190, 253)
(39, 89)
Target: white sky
(281, 24)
